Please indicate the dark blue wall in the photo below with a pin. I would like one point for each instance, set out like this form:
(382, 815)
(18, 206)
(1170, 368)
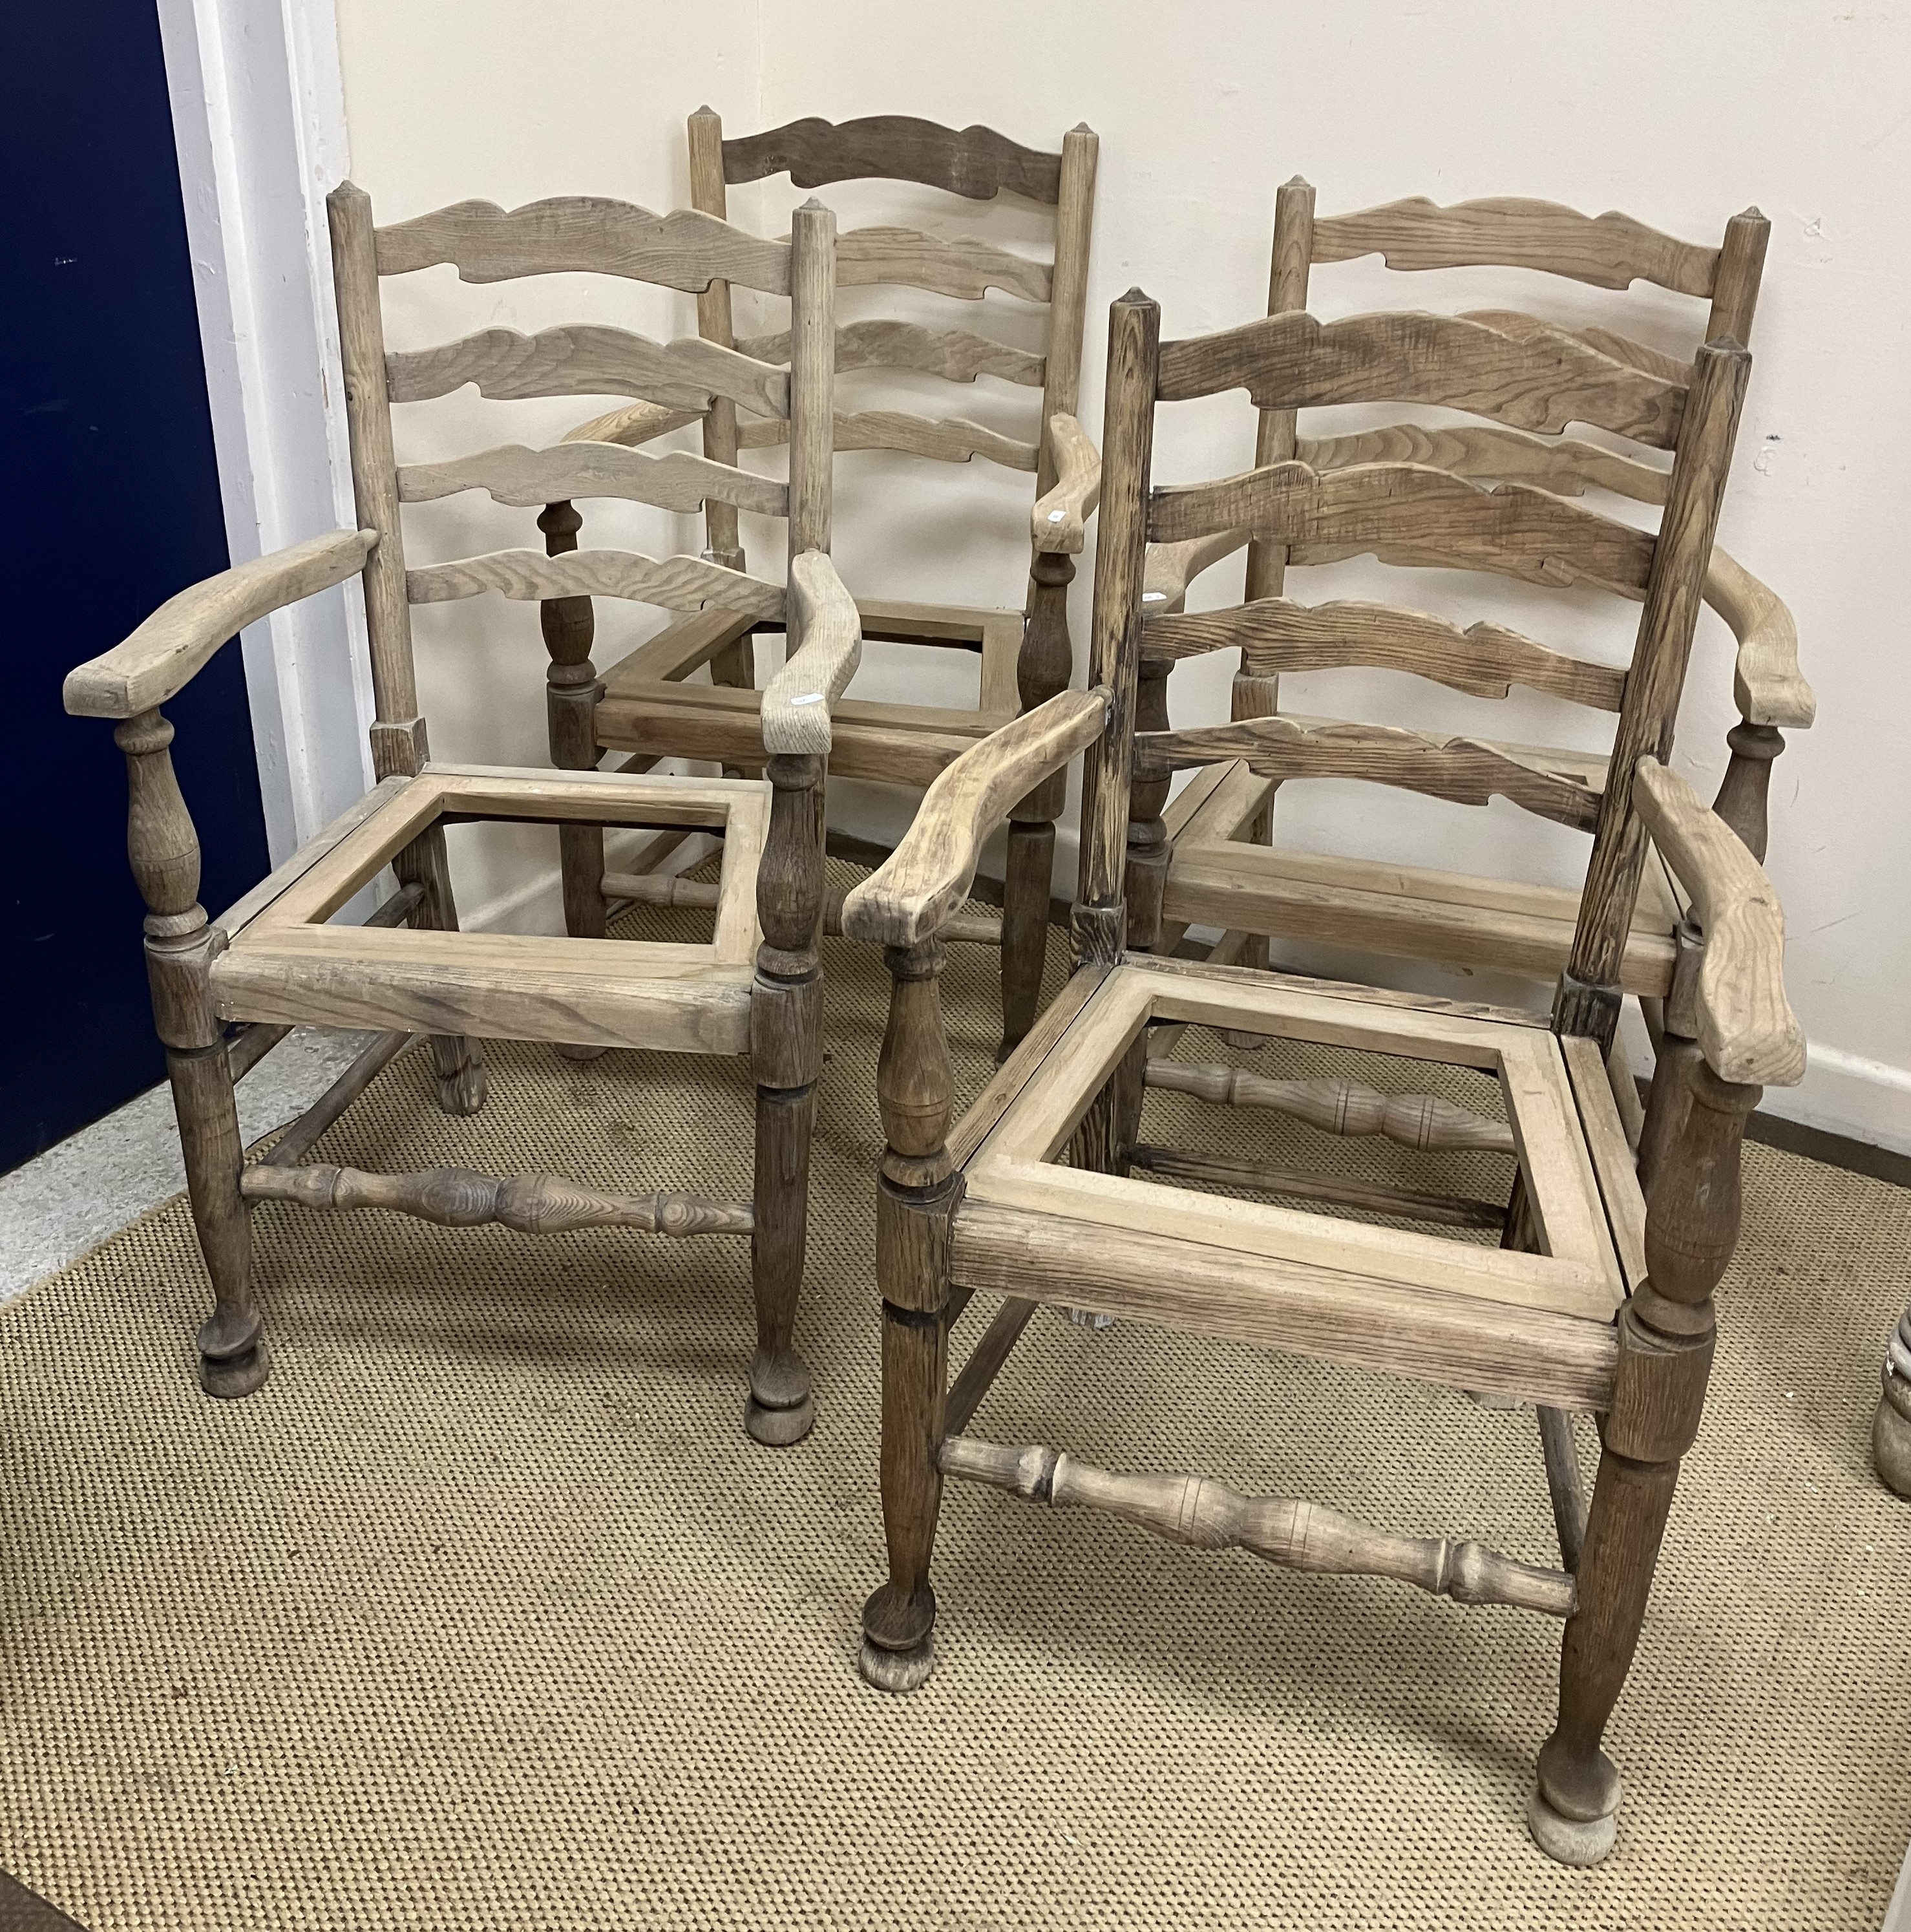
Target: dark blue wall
(109, 497)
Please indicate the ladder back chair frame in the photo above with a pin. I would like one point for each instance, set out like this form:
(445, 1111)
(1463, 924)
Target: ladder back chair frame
(1599, 1296)
(642, 707)
(272, 962)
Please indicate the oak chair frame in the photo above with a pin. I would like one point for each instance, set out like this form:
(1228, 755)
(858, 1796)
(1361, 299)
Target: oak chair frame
(273, 962)
(1599, 1296)
(644, 706)
(1452, 918)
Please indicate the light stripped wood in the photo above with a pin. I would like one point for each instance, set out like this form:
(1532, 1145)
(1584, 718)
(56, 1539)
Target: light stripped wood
(675, 582)
(1298, 1535)
(282, 877)
(1612, 1155)
(928, 875)
(584, 235)
(958, 355)
(975, 161)
(685, 644)
(960, 266)
(1340, 1107)
(670, 888)
(1610, 250)
(1527, 373)
(530, 1204)
(1334, 1314)
(1466, 771)
(1451, 1210)
(1746, 1027)
(826, 636)
(1060, 520)
(1766, 681)
(1607, 342)
(1484, 660)
(574, 470)
(943, 439)
(703, 141)
(1289, 263)
(587, 359)
(812, 377)
(1068, 301)
(168, 650)
(637, 423)
(1511, 529)
(1567, 466)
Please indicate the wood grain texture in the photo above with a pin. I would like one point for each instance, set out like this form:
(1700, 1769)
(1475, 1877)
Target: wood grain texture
(1449, 1210)
(943, 439)
(170, 647)
(579, 470)
(1610, 251)
(1466, 771)
(531, 1204)
(1059, 523)
(825, 635)
(1510, 530)
(1766, 681)
(1532, 376)
(584, 235)
(928, 875)
(812, 377)
(1484, 660)
(960, 266)
(1489, 452)
(1298, 1535)
(1068, 300)
(975, 161)
(675, 582)
(587, 359)
(958, 355)
(1746, 1026)
(637, 423)
(1337, 1316)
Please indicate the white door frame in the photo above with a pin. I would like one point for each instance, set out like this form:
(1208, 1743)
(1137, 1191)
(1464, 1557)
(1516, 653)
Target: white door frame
(259, 119)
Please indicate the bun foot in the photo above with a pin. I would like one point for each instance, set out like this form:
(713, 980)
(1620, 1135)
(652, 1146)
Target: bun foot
(232, 1377)
(777, 1428)
(1570, 1841)
(897, 1672)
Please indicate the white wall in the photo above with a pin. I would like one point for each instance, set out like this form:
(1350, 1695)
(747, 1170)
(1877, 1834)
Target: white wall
(1679, 115)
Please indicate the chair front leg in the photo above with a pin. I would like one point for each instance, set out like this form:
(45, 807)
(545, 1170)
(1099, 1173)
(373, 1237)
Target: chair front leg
(164, 851)
(1890, 1433)
(915, 1204)
(1666, 1335)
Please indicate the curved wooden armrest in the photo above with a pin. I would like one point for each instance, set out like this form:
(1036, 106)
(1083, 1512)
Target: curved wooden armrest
(1171, 568)
(1746, 1029)
(1059, 523)
(1765, 681)
(827, 632)
(634, 424)
(165, 653)
(924, 881)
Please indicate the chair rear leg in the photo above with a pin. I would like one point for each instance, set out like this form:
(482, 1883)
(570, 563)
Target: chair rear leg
(457, 1061)
(233, 1360)
(782, 1408)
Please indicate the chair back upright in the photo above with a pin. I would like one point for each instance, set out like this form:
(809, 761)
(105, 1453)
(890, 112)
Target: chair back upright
(1508, 369)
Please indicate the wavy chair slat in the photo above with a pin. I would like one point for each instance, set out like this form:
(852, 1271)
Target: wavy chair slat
(1484, 660)
(1528, 374)
(975, 162)
(944, 440)
(958, 354)
(1466, 771)
(1610, 251)
(1512, 529)
(589, 359)
(584, 234)
(960, 266)
(673, 582)
(529, 478)
(1567, 466)
(1606, 342)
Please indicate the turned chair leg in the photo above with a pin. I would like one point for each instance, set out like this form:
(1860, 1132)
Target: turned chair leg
(1890, 1433)
(457, 1062)
(1666, 1335)
(915, 1200)
(781, 1407)
(233, 1360)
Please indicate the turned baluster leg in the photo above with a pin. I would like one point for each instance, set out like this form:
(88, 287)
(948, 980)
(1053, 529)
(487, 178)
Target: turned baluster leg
(1743, 791)
(1028, 879)
(1890, 1433)
(786, 1053)
(164, 851)
(1665, 1334)
(915, 1200)
(457, 1061)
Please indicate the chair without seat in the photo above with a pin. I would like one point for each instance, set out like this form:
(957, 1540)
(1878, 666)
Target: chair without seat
(1456, 918)
(274, 961)
(1598, 1298)
(646, 707)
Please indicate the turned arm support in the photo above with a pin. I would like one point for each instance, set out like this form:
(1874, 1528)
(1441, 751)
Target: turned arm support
(1765, 681)
(924, 880)
(826, 637)
(1744, 1027)
(1059, 525)
(166, 652)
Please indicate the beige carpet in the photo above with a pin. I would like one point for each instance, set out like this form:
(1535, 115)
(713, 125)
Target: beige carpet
(484, 1613)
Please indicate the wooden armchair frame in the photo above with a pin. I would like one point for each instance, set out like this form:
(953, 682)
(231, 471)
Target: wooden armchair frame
(274, 961)
(1456, 919)
(642, 705)
(1597, 1298)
